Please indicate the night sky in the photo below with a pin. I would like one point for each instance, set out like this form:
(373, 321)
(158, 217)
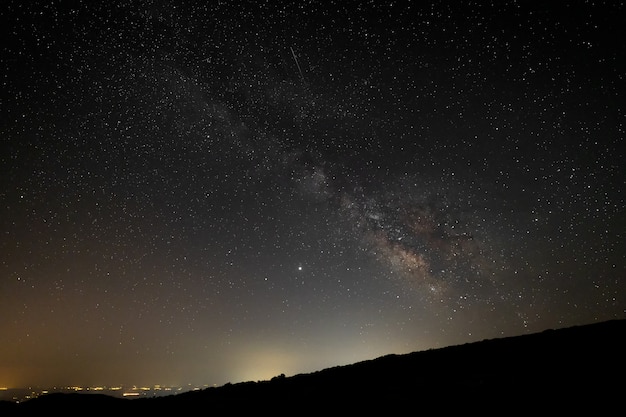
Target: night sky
(204, 192)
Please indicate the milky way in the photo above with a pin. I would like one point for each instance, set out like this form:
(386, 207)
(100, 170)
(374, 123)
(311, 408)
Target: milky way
(203, 193)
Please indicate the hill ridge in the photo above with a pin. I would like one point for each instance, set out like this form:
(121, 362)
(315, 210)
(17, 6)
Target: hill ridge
(584, 363)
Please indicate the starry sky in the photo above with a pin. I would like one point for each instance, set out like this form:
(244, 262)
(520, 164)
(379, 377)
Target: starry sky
(202, 192)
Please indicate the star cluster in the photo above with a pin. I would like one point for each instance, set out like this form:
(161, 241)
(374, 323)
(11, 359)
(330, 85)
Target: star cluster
(204, 192)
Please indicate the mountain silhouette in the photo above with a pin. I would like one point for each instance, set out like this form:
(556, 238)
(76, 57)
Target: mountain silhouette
(578, 369)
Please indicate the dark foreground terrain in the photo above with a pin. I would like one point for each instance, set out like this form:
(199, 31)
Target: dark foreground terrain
(579, 369)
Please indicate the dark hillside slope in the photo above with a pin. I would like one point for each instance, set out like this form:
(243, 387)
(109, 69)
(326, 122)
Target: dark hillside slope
(578, 368)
